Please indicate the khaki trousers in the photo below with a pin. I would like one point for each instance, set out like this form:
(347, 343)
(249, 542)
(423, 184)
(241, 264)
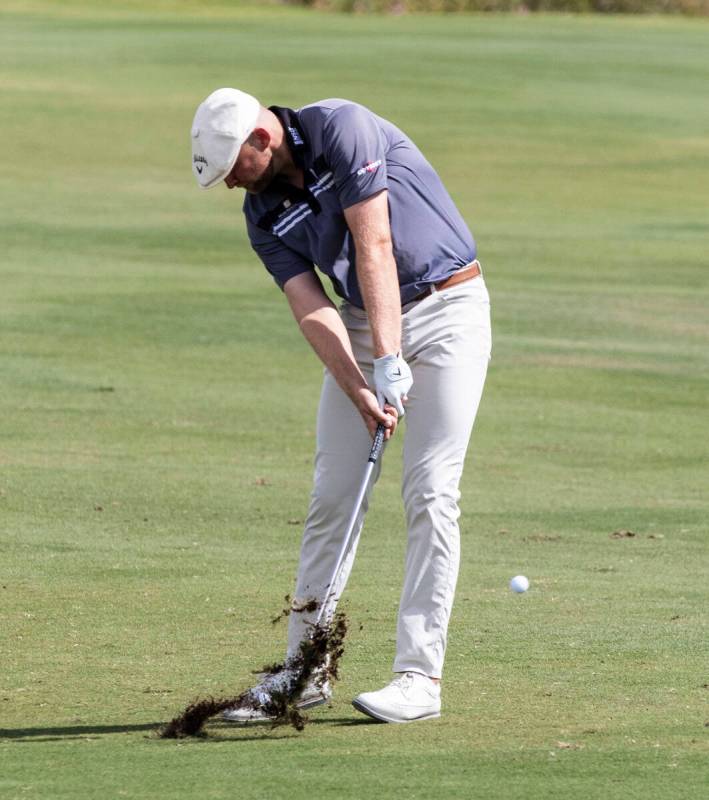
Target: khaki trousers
(446, 342)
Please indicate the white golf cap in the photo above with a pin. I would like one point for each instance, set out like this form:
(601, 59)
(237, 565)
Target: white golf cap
(223, 122)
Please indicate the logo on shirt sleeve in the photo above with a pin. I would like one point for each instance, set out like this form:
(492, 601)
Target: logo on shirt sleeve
(370, 166)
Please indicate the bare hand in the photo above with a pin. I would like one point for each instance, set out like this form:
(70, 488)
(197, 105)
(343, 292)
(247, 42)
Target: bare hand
(373, 415)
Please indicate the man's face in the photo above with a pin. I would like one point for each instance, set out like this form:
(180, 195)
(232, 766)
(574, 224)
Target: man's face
(253, 169)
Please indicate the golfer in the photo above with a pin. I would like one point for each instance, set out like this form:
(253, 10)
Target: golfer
(334, 186)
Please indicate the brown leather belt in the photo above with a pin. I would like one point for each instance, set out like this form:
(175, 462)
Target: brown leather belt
(462, 275)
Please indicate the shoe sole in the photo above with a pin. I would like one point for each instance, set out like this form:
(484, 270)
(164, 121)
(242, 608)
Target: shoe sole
(383, 718)
(319, 701)
(306, 704)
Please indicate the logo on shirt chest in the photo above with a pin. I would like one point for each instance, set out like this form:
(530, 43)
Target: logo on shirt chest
(290, 215)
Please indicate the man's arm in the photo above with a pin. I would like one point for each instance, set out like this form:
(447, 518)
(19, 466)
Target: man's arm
(369, 225)
(368, 222)
(322, 326)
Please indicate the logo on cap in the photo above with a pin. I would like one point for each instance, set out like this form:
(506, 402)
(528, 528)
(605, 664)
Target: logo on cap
(200, 163)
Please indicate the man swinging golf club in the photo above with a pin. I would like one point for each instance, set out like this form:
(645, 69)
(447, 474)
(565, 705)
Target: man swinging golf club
(334, 185)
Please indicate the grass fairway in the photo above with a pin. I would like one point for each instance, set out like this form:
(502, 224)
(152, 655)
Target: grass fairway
(157, 409)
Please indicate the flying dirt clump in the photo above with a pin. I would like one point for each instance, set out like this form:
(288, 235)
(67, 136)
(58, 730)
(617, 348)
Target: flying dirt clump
(309, 605)
(318, 659)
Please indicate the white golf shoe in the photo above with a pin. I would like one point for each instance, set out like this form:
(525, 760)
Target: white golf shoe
(408, 698)
(254, 710)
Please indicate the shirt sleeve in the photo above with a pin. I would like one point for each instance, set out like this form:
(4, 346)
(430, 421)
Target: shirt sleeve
(355, 149)
(282, 262)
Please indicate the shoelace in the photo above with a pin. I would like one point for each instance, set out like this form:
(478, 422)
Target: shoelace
(404, 681)
(271, 683)
(278, 683)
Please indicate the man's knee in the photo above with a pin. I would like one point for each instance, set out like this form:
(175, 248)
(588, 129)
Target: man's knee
(326, 508)
(431, 496)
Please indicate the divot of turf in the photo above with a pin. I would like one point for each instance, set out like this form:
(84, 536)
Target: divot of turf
(623, 534)
(317, 659)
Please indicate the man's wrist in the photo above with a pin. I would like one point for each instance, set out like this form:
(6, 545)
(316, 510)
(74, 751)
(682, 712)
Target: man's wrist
(388, 354)
(382, 352)
(354, 388)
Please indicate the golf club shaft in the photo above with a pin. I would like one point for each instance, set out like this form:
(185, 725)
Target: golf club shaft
(374, 453)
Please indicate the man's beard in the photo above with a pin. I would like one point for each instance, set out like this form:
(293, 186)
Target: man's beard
(264, 181)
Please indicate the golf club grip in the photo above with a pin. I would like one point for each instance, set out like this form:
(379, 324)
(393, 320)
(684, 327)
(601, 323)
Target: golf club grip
(377, 444)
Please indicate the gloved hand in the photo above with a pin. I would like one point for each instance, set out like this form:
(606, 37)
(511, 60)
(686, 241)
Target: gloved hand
(392, 381)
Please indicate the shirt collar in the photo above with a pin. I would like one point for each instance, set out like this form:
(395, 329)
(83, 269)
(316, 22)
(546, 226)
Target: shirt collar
(295, 135)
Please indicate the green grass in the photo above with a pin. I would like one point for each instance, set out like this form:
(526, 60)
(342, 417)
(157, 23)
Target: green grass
(157, 409)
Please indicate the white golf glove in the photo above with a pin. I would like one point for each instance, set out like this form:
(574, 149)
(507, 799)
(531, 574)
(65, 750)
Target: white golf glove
(392, 380)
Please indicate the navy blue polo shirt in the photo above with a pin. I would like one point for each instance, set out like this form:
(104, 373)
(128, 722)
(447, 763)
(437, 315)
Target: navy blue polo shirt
(347, 154)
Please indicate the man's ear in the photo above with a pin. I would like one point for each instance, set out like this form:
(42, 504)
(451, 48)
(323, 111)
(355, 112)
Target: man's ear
(259, 139)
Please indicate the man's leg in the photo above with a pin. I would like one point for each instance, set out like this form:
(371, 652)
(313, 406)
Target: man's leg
(342, 447)
(447, 343)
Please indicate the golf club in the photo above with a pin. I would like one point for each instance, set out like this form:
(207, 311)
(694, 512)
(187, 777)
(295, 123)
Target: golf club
(325, 644)
(374, 453)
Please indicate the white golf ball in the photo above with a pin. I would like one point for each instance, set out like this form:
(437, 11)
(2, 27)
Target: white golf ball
(519, 584)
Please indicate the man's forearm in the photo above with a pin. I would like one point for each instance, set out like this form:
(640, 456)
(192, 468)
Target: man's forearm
(369, 225)
(327, 335)
(379, 284)
(323, 328)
